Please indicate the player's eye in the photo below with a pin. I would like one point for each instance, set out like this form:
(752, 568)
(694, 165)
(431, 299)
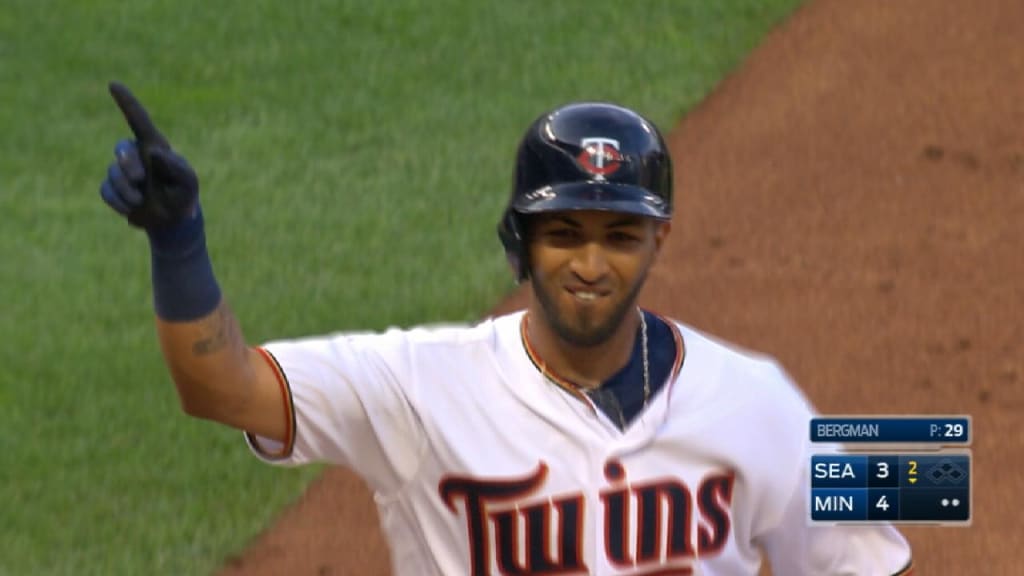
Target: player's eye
(562, 233)
(623, 238)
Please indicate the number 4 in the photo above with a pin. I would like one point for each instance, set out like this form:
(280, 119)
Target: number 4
(882, 503)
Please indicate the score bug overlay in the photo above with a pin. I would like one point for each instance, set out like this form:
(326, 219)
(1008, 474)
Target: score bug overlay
(909, 486)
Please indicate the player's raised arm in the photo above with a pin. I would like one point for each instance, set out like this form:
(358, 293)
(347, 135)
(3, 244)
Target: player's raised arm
(218, 377)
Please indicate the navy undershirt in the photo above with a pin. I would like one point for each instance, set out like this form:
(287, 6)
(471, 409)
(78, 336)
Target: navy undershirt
(621, 397)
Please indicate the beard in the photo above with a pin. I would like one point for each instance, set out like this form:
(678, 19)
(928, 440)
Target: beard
(584, 328)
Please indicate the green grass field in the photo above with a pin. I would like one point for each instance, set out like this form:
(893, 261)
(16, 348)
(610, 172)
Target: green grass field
(355, 157)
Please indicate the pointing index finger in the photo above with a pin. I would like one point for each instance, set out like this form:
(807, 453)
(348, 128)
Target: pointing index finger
(138, 119)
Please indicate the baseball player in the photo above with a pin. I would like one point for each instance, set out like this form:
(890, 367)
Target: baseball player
(582, 435)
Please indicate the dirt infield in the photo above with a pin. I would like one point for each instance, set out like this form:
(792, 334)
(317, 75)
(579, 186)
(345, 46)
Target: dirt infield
(850, 201)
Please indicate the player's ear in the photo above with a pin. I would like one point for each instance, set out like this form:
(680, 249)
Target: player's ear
(661, 232)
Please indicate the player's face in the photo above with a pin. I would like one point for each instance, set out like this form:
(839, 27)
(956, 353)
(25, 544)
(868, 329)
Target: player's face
(587, 268)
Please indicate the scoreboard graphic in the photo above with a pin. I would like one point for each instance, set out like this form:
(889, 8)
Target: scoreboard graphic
(901, 470)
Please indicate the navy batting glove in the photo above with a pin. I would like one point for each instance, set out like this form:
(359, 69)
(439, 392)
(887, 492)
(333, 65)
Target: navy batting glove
(154, 188)
(122, 190)
(148, 183)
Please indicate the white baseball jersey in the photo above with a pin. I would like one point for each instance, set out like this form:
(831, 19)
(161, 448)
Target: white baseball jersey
(480, 465)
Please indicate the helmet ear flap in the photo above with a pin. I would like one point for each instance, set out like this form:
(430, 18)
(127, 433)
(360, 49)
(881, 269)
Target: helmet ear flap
(511, 233)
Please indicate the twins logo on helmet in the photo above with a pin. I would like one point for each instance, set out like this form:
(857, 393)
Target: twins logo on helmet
(600, 156)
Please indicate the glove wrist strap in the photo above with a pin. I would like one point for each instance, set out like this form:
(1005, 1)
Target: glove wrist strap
(184, 286)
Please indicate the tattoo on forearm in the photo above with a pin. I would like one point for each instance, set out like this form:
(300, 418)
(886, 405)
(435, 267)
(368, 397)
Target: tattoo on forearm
(218, 332)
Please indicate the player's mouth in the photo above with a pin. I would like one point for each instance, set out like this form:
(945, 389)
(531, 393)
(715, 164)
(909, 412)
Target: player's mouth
(586, 295)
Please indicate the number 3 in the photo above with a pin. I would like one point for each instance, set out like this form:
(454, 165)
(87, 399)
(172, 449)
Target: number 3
(883, 470)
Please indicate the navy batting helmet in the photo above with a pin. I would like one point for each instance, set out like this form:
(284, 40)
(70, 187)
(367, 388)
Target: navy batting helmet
(586, 156)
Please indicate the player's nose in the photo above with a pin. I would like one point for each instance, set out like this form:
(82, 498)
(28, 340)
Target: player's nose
(589, 263)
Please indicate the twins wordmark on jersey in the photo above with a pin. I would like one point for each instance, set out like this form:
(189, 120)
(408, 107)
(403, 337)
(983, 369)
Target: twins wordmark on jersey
(513, 527)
